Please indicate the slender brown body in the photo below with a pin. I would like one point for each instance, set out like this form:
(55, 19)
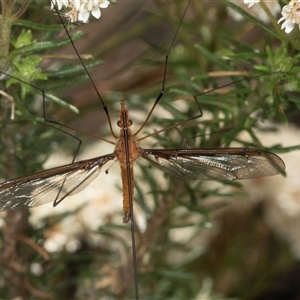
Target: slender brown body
(127, 151)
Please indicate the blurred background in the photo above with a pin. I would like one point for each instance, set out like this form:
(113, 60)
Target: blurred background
(195, 240)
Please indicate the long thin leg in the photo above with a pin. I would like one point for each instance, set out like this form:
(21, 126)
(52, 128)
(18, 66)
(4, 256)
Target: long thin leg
(161, 93)
(88, 74)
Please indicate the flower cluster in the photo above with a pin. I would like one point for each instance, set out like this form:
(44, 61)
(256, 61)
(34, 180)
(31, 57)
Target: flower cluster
(80, 10)
(290, 14)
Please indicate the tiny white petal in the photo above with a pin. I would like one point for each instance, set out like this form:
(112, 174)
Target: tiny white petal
(84, 16)
(104, 4)
(251, 2)
(96, 12)
(82, 8)
(289, 28)
(281, 19)
(287, 25)
(77, 5)
(89, 5)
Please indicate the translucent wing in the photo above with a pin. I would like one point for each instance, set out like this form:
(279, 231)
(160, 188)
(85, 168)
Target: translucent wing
(50, 185)
(216, 163)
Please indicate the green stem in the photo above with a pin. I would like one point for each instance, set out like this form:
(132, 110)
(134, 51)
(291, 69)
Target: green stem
(5, 31)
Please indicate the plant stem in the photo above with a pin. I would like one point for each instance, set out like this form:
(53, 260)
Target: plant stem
(21, 10)
(5, 31)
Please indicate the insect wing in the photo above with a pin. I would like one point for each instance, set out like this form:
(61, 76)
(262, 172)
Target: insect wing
(50, 185)
(216, 163)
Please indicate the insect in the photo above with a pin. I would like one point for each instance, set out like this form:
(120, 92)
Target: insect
(204, 164)
(56, 184)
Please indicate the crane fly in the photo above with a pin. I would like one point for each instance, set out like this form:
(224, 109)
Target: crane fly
(195, 163)
(55, 184)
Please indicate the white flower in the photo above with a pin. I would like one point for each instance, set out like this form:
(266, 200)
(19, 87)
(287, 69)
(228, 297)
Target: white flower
(80, 10)
(290, 16)
(251, 2)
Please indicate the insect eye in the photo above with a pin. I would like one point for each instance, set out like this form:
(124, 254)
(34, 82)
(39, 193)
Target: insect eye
(119, 123)
(130, 122)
